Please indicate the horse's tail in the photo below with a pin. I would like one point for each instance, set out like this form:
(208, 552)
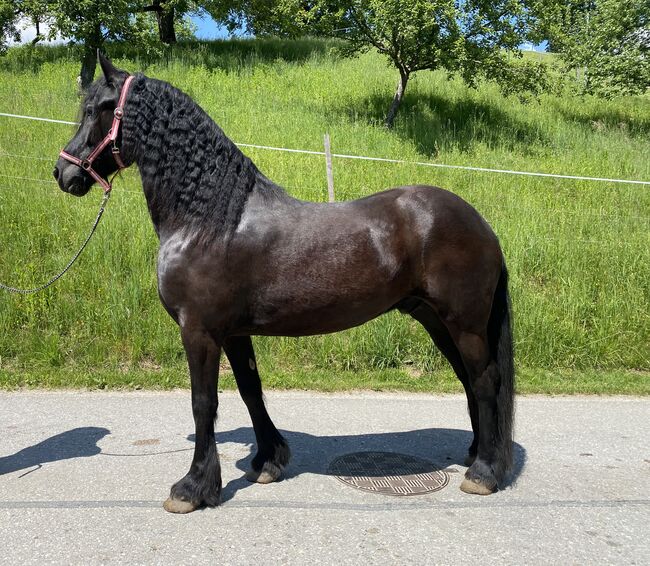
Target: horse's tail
(501, 349)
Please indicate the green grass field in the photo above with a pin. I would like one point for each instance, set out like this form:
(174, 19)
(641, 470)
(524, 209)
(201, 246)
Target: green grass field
(578, 251)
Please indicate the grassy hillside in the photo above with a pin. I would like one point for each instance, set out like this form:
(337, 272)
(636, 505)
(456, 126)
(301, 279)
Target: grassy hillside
(578, 251)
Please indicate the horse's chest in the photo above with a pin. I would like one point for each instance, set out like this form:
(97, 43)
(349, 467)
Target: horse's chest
(185, 271)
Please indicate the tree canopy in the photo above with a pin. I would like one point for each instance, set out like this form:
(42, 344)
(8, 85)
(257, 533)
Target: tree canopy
(90, 23)
(472, 38)
(8, 19)
(607, 41)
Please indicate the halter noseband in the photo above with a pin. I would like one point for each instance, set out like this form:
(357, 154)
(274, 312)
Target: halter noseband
(111, 136)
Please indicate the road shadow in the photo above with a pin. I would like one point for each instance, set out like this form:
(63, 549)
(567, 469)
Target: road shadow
(435, 123)
(443, 447)
(76, 443)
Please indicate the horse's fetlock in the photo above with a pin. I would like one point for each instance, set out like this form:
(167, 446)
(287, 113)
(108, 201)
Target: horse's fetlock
(203, 490)
(270, 461)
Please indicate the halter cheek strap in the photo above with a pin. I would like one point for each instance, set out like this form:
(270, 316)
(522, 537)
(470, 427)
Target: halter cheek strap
(111, 136)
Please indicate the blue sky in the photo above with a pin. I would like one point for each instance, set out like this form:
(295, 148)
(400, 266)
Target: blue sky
(208, 28)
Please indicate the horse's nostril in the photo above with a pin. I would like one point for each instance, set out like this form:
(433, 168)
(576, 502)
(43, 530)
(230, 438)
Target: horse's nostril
(56, 173)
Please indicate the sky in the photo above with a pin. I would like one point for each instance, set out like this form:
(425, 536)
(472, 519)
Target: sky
(207, 28)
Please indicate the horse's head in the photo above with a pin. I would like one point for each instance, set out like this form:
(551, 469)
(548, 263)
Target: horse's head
(85, 154)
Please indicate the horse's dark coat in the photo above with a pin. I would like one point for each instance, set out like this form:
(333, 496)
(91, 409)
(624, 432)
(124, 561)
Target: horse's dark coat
(239, 257)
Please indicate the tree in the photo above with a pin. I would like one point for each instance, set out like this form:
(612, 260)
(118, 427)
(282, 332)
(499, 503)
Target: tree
(168, 14)
(608, 40)
(473, 38)
(35, 11)
(91, 22)
(12, 12)
(8, 21)
(165, 19)
(414, 35)
(285, 18)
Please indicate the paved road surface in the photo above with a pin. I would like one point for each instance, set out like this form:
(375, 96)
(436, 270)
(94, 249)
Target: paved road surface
(83, 476)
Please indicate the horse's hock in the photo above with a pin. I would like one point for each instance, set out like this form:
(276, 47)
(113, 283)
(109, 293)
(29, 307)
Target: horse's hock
(388, 473)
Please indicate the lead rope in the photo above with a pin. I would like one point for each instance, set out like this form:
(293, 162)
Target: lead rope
(102, 206)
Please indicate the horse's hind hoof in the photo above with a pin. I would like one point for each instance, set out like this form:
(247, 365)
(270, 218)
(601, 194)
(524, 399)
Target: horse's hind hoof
(268, 474)
(178, 506)
(475, 488)
(479, 479)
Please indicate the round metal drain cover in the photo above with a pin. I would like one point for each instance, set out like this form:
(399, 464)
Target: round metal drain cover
(388, 473)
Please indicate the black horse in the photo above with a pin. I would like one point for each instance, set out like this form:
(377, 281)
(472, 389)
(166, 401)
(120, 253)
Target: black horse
(240, 257)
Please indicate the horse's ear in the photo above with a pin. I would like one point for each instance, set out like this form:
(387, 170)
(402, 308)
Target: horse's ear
(111, 73)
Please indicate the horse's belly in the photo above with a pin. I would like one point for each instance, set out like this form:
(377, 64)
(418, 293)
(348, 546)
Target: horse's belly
(321, 321)
(320, 311)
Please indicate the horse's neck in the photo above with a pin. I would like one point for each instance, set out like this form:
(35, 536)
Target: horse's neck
(192, 174)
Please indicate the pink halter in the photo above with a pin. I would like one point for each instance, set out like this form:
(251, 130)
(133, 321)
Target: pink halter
(111, 136)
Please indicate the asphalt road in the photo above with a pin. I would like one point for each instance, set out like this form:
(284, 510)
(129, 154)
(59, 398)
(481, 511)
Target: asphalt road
(83, 477)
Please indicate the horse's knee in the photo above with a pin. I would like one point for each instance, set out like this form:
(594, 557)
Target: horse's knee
(205, 406)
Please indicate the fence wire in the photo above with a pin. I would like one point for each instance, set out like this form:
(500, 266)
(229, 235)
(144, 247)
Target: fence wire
(591, 212)
(390, 160)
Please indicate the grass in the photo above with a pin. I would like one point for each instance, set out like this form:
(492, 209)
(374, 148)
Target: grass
(578, 251)
(530, 381)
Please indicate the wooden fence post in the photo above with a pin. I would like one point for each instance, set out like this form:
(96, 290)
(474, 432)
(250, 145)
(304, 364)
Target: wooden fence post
(330, 173)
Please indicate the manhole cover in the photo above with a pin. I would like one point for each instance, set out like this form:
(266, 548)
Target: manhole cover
(388, 473)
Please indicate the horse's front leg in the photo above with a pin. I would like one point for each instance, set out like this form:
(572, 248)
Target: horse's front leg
(272, 450)
(202, 484)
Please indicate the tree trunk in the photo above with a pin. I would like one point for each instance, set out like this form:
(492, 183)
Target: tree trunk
(165, 20)
(166, 25)
(399, 93)
(88, 65)
(89, 61)
(37, 25)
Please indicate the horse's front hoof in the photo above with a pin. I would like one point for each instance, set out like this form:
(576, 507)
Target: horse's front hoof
(191, 492)
(476, 488)
(178, 506)
(268, 474)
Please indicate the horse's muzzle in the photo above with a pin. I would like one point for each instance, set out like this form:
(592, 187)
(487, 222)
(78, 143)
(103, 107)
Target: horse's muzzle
(71, 179)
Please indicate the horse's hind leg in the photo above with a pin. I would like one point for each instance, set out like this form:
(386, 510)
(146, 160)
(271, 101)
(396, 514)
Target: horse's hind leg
(202, 484)
(272, 450)
(488, 469)
(426, 316)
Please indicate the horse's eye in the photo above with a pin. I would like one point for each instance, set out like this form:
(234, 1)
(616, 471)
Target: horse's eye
(90, 112)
